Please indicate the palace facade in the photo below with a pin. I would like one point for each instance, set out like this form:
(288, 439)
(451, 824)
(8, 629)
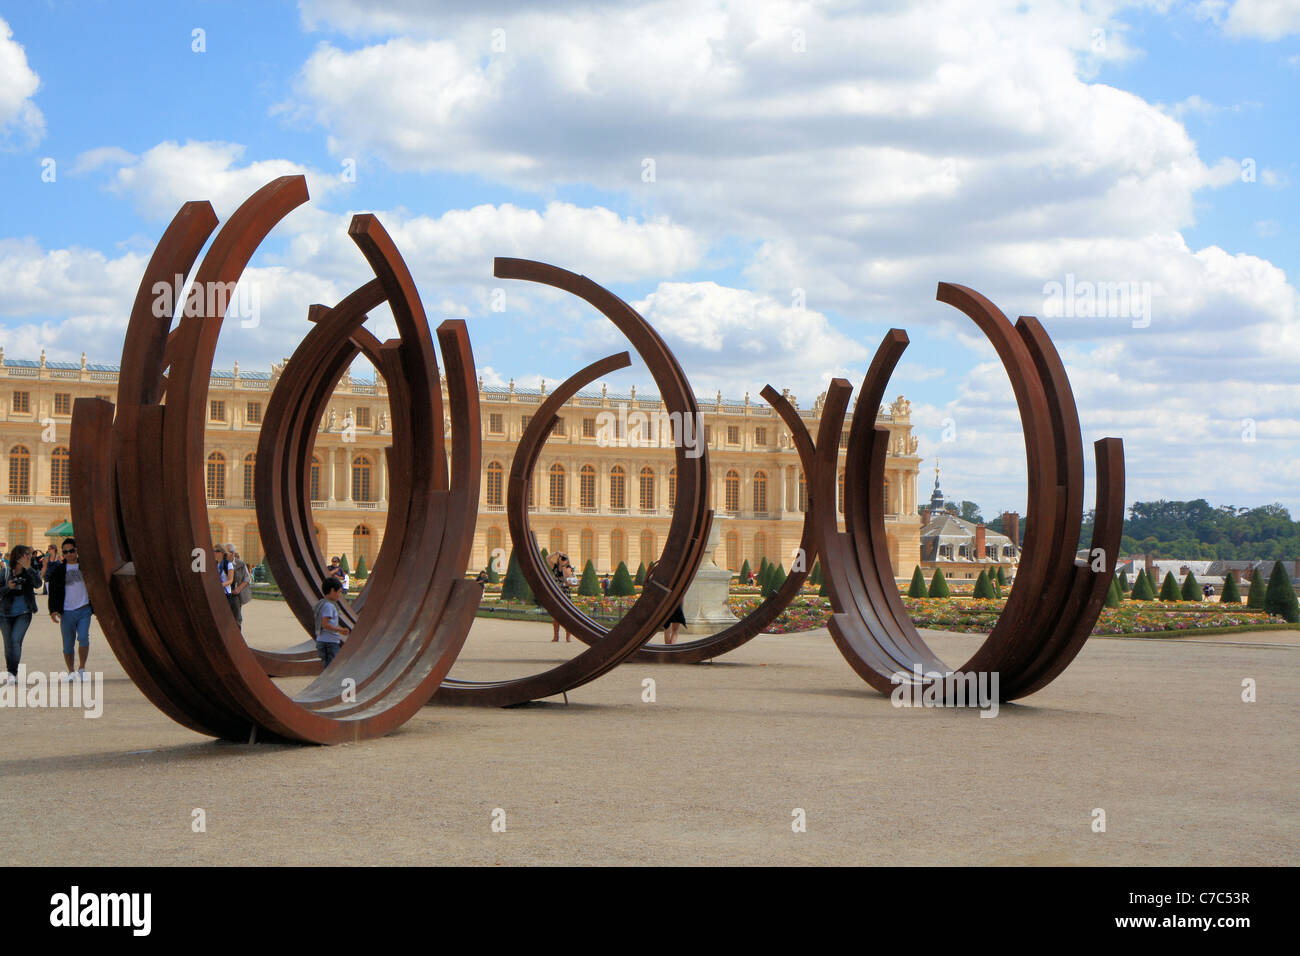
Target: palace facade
(600, 493)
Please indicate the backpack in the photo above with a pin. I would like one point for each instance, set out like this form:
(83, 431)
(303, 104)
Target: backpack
(241, 575)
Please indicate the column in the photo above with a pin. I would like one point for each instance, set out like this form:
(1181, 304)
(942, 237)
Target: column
(346, 455)
(381, 475)
(326, 456)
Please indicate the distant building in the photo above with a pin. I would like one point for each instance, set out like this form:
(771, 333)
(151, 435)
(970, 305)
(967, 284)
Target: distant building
(964, 548)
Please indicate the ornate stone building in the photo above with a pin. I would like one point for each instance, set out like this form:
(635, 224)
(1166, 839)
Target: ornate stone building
(602, 490)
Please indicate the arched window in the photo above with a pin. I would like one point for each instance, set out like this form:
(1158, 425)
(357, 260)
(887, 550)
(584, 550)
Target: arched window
(803, 493)
(493, 546)
(733, 551)
(587, 546)
(218, 531)
(361, 481)
(60, 474)
(617, 548)
(314, 479)
(841, 492)
(760, 547)
(250, 469)
(558, 499)
(587, 488)
(495, 478)
(252, 553)
(617, 488)
(216, 476)
(362, 541)
(20, 471)
(760, 491)
(557, 540)
(648, 552)
(672, 487)
(731, 490)
(647, 489)
(18, 532)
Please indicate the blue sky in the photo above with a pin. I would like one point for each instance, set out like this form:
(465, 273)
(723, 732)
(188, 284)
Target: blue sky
(1002, 146)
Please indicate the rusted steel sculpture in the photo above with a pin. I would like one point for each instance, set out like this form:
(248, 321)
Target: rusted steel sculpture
(138, 499)
(1055, 602)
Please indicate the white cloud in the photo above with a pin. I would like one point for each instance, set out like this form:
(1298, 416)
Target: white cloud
(21, 123)
(93, 159)
(1263, 19)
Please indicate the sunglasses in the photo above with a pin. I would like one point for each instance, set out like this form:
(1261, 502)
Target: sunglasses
(69, 550)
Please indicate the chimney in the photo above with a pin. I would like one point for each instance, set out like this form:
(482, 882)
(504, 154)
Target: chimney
(1151, 565)
(925, 517)
(1011, 527)
(980, 552)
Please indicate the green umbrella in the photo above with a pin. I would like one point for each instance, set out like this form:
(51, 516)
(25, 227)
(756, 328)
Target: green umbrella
(61, 530)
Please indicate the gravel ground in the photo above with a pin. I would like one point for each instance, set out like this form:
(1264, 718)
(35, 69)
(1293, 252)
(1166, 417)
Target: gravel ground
(1152, 731)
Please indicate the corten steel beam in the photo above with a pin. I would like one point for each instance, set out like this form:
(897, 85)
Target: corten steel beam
(687, 532)
(162, 609)
(1055, 601)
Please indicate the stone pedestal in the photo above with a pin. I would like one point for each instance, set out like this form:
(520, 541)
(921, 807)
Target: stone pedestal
(705, 603)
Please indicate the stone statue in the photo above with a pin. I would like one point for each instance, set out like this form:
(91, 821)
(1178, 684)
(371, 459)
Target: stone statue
(333, 421)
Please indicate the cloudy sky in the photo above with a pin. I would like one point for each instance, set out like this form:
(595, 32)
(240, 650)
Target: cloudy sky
(774, 185)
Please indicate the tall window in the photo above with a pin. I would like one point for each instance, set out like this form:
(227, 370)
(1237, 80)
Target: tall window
(841, 492)
(216, 411)
(496, 423)
(218, 532)
(362, 417)
(60, 475)
(559, 427)
(361, 479)
(731, 489)
(760, 547)
(760, 491)
(253, 414)
(216, 476)
(18, 532)
(884, 499)
(493, 546)
(589, 428)
(250, 469)
(20, 471)
(558, 499)
(523, 423)
(315, 479)
(733, 551)
(22, 402)
(62, 403)
(587, 546)
(733, 434)
(617, 548)
(557, 540)
(362, 542)
(648, 552)
(803, 492)
(252, 545)
(495, 476)
(617, 488)
(672, 487)
(647, 489)
(760, 436)
(587, 488)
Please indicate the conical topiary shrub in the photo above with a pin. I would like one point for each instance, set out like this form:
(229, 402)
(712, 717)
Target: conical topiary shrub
(917, 588)
(984, 587)
(640, 575)
(1255, 596)
(1124, 587)
(514, 587)
(1169, 589)
(1231, 593)
(1002, 576)
(362, 571)
(939, 585)
(775, 579)
(822, 589)
(1112, 594)
(763, 564)
(343, 564)
(621, 584)
(1280, 597)
(1142, 590)
(589, 584)
(816, 576)
(1191, 589)
(744, 571)
(493, 576)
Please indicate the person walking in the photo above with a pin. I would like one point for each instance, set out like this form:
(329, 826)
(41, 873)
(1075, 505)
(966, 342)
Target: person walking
(51, 559)
(70, 608)
(675, 620)
(18, 584)
(240, 582)
(563, 573)
(330, 634)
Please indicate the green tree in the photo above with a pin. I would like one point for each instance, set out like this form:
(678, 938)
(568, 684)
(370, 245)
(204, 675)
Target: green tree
(621, 584)
(775, 578)
(1142, 589)
(589, 584)
(1280, 597)
(515, 588)
(816, 576)
(362, 571)
(1169, 589)
(640, 574)
(1191, 590)
(1123, 583)
(939, 585)
(343, 563)
(744, 571)
(1231, 593)
(917, 588)
(763, 564)
(984, 587)
(493, 576)
(1112, 594)
(1255, 596)
(1002, 576)
(822, 589)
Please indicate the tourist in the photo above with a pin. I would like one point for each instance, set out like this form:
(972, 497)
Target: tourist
(604, 585)
(330, 634)
(51, 559)
(675, 620)
(70, 608)
(483, 577)
(562, 571)
(18, 583)
(225, 569)
(240, 592)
